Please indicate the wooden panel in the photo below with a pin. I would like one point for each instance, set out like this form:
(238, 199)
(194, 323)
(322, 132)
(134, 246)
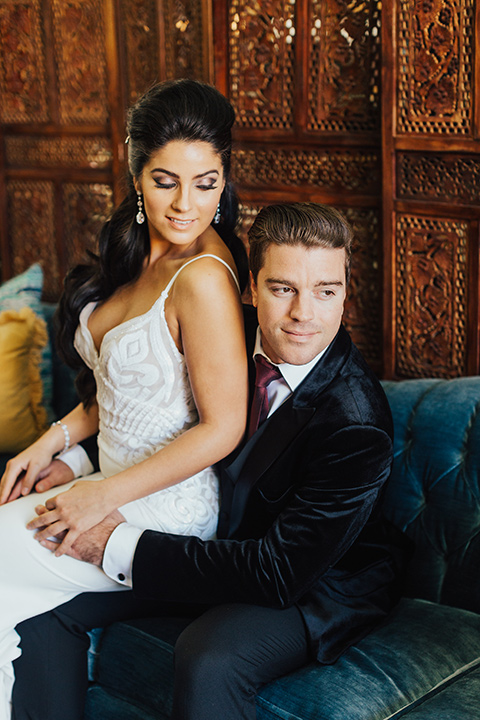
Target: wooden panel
(451, 177)
(86, 207)
(33, 151)
(139, 27)
(344, 66)
(432, 291)
(431, 163)
(261, 58)
(435, 61)
(31, 217)
(23, 87)
(188, 38)
(333, 170)
(363, 307)
(78, 29)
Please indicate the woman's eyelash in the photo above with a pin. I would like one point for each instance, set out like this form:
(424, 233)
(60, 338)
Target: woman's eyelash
(168, 185)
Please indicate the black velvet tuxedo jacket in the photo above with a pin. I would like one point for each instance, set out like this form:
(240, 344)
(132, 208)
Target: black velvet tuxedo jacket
(300, 520)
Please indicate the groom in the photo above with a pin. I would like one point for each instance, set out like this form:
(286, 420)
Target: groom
(304, 564)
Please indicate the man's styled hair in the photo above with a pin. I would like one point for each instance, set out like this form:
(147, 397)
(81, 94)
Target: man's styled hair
(309, 224)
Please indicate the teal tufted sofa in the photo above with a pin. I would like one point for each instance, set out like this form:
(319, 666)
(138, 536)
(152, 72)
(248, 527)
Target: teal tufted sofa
(423, 662)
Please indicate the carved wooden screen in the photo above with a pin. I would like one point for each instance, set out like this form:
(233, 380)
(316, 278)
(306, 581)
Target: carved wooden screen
(431, 193)
(68, 69)
(304, 76)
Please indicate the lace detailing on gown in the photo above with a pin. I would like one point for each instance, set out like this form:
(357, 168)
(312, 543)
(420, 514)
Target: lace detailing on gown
(145, 401)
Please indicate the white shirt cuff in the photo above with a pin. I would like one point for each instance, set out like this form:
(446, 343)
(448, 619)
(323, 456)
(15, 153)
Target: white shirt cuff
(119, 552)
(77, 460)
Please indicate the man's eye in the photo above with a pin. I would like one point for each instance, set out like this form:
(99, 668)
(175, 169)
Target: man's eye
(282, 290)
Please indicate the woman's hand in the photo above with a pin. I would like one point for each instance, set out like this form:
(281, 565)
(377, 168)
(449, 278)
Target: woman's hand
(22, 471)
(72, 513)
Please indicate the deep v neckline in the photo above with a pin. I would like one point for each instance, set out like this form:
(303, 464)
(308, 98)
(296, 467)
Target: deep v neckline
(163, 295)
(90, 307)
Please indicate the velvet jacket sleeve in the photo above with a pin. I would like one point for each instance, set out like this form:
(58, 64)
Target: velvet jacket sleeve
(305, 514)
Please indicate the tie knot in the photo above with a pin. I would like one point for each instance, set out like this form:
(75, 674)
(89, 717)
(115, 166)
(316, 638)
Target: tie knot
(266, 372)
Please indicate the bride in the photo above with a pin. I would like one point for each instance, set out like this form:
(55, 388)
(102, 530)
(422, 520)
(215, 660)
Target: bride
(154, 325)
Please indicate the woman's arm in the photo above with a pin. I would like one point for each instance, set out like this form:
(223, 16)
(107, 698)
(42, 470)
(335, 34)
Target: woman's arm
(210, 320)
(22, 471)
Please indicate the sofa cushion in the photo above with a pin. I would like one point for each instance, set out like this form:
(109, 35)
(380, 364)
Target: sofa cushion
(23, 417)
(25, 290)
(421, 648)
(434, 492)
(459, 700)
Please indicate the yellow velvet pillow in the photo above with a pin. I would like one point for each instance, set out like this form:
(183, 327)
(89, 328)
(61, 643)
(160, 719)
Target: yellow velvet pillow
(22, 415)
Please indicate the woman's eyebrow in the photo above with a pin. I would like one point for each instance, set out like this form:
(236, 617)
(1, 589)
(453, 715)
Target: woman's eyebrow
(174, 175)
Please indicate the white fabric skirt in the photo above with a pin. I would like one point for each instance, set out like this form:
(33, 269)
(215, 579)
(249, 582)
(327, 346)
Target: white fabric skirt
(33, 580)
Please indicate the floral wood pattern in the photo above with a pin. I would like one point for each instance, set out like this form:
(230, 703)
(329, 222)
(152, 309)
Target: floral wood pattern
(363, 307)
(31, 229)
(140, 43)
(78, 28)
(455, 178)
(87, 206)
(183, 39)
(435, 66)
(71, 152)
(335, 170)
(431, 288)
(262, 40)
(22, 63)
(344, 65)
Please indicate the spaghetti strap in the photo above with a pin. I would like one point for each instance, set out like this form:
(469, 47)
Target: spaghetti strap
(199, 257)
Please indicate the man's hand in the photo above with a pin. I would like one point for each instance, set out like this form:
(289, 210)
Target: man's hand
(57, 473)
(90, 546)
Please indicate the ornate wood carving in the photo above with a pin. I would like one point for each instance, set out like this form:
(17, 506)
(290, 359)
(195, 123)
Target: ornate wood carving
(344, 65)
(86, 208)
(184, 56)
(30, 208)
(78, 29)
(22, 63)
(431, 290)
(45, 152)
(335, 170)
(261, 55)
(442, 177)
(140, 29)
(435, 66)
(363, 308)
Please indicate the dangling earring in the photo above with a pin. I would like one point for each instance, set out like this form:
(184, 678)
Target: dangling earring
(140, 217)
(217, 216)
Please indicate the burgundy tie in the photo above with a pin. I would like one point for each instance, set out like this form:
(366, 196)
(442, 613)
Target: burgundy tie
(266, 372)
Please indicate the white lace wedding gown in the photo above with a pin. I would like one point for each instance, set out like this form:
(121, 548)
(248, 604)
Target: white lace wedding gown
(145, 401)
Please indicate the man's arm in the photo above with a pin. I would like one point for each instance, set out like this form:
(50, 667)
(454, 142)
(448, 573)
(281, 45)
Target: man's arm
(328, 509)
(325, 514)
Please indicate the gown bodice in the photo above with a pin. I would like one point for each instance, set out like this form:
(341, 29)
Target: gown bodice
(143, 391)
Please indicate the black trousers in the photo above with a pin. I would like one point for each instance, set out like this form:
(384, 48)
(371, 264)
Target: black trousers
(223, 655)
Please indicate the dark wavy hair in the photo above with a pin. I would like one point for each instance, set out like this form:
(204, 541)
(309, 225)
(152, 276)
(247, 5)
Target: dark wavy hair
(174, 110)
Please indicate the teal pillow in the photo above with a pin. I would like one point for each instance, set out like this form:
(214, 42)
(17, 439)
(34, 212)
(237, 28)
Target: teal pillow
(25, 290)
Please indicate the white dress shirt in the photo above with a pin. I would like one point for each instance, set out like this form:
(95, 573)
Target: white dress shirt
(122, 543)
(77, 460)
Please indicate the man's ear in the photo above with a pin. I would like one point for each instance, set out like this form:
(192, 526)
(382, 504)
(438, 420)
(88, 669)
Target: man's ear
(253, 290)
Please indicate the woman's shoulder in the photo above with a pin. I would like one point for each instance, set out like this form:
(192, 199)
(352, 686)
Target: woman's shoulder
(206, 271)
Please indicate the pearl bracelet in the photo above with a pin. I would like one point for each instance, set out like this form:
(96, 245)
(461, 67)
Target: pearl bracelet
(66, 434)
